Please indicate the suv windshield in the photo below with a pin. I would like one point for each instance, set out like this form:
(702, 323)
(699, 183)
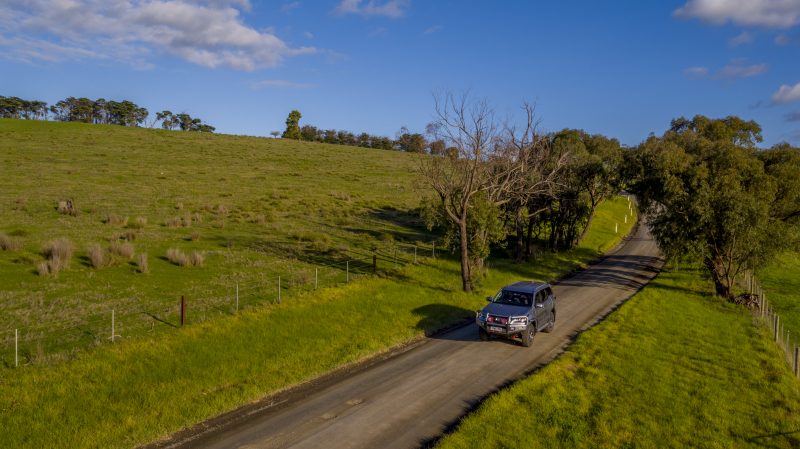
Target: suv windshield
(513, 298)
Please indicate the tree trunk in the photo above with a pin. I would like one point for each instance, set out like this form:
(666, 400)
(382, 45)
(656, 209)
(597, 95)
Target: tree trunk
(519, 247)
(721, 284)
(588, 223)
(528, 239)
(466, 277)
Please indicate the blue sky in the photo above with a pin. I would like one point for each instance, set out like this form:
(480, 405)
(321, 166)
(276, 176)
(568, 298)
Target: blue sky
(623, 69)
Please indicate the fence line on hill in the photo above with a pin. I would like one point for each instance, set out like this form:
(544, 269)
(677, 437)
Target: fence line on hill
(766, 314)
(29, 344)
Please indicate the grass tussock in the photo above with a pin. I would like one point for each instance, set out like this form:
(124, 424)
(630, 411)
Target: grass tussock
(8, 243)
(97, 256)
(142, 265)
(115, 220)
(121, 249)
(194, 236)
(138, 223)
(181, 259)
(58, 254)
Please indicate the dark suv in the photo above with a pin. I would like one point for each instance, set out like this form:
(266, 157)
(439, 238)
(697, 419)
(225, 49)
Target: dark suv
(518, 311)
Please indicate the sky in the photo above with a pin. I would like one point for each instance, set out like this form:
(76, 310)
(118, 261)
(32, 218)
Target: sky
(623, 69)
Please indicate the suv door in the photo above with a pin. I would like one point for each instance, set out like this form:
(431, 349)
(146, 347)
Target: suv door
(541, 309)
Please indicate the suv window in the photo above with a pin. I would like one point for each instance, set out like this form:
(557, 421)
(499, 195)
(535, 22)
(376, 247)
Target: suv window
(548, 292)
(540, 296)
(513, 298)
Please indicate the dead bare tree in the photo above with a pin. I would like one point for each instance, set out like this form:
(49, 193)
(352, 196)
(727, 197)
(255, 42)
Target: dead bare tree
(487, 161)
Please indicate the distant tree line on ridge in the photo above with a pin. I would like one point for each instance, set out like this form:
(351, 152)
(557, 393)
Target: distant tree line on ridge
(404, 141)
(100, 111)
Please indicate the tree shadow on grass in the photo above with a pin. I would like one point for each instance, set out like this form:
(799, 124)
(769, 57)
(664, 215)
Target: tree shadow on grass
(436, 319)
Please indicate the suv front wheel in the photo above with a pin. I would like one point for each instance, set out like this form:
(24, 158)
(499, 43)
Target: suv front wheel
(527, 336)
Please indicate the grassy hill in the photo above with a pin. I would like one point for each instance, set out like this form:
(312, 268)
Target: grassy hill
(254, 208)
(673, 367)
(781, 280)
(315, 214)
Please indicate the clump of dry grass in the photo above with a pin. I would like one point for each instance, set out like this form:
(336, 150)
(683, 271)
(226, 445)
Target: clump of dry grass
(182, 222)
(97, 256)
(115, 220)
(127, 235)
(197, 258)
(139, 223)
(121, 249)
(8, 243)
(142, 266)
(178, 257)
(194, 236)
(66, 207)
(58, 254)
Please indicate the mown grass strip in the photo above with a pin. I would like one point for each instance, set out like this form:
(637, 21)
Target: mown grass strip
(673, 367)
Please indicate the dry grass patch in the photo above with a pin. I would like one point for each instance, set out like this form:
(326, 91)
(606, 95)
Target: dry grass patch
(115, 220)
(58, 254)
(97, 256)
(178, 257)
(142, 266)
(8, 243)
(121, 249)
(139, 223)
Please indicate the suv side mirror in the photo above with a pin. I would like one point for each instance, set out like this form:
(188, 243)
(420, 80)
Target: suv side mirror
(539, 305)
(489, 298)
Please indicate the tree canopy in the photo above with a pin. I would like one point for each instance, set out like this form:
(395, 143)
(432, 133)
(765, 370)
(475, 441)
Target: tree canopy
(710, 193)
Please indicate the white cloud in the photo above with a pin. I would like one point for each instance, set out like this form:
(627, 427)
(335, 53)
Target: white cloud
(393, 9)
(737, 69)
(734, 69)
(287, 7)
(308, 35)
(741, 39)
(433, 29)
(698, 72)
(280, 84)
(764, 13)
(787, 94)
(210, 33)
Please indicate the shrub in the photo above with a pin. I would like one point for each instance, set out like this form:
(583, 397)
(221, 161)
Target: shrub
(115, 220)
(58, 254)
(8, 243)
(97, 256)
(141, 263)
(121, 249)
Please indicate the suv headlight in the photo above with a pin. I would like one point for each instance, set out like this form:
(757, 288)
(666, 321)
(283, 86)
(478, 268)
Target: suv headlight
(518, 320)
(480, 316)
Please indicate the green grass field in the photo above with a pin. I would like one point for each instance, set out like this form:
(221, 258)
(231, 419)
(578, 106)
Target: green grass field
(140, 389)
(781, 280)
(257, 208)
(673, 367)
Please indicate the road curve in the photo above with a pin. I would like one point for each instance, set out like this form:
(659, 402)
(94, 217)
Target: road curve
(412, 398)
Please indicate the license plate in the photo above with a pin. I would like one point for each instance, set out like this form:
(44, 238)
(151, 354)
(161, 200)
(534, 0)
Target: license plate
(496, 329)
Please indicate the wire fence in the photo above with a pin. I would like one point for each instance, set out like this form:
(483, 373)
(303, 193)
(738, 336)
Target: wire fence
(765, 313)
(133, 318)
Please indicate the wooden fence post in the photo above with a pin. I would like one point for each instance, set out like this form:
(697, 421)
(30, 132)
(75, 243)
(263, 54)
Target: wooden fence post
(777, 320)
(279, 289)
(374, 264)
(183, 309)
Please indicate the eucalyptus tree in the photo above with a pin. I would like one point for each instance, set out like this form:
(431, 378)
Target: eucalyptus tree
(712, 195)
